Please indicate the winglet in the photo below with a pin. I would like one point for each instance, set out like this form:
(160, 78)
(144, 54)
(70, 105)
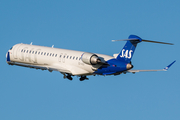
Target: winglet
(166, 68)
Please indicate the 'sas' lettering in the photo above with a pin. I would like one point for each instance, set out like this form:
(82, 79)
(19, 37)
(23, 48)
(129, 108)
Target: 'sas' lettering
(126, 54)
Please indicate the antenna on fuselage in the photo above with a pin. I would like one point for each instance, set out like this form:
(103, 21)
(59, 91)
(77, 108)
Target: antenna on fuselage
(31, 43)
(52, 46)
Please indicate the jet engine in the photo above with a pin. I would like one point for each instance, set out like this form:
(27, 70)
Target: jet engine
(90, 58)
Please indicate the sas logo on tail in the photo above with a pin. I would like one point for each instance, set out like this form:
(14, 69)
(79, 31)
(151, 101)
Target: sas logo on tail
(126, 54)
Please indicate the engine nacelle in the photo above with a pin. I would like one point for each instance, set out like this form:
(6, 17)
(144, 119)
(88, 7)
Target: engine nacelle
(90, 58)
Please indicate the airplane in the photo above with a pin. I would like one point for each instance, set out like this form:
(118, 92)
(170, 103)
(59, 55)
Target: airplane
(77, 63)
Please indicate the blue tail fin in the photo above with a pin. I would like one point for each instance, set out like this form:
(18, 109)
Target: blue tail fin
(128, 50)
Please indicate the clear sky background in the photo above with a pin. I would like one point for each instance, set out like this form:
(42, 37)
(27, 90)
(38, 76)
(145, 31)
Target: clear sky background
(29, 94)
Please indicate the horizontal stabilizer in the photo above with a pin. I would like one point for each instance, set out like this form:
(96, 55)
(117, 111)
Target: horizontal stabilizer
(124, 40)
(157, 42)
(143, 40)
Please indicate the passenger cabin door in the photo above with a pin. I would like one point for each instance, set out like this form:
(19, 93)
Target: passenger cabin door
(16, 51)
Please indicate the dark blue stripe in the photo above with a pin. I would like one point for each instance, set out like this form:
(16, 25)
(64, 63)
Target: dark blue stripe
(8, 57)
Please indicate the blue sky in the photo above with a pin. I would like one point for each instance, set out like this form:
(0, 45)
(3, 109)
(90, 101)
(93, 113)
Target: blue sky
(29, 94)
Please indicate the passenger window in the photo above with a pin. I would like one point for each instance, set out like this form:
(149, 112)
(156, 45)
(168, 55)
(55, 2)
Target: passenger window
(80, 58)
(73, 58)
(76, 58)
(64, 56)
(45, 53)
(27, 51)
(70, 57)
(67, 56)
(22, 50)
(42, 53)
(60, 55)
(50, 54)
(32, 52)
(36, 52)
(56, 55)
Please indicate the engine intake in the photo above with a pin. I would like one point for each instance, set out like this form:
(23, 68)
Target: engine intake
(90, 58)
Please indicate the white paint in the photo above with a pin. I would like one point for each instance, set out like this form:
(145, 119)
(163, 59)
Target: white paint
(62, 60)
(126, 54)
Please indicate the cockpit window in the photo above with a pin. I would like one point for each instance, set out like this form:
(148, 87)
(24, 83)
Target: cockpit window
(11, 48)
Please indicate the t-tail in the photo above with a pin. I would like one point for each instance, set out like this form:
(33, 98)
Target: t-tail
(128, 50)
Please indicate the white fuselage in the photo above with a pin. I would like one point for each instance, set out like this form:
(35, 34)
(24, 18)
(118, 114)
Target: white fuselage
(62, 60)
(76, 63)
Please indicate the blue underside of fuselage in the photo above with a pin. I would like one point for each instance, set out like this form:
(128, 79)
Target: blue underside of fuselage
(115, 66)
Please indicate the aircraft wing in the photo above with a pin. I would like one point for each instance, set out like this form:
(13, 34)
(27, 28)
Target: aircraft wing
(165, 69)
